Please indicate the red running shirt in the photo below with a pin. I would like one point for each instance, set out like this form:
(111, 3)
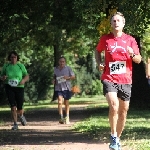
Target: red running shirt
(118, 64)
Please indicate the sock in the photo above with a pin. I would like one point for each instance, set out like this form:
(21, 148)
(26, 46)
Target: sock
(61, 116)
(15, 123)
(21, 116)
(114, 138)
(114, 135)
(67, 115)
(117, 139)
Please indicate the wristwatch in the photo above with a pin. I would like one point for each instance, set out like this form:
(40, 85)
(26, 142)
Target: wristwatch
(132, 56)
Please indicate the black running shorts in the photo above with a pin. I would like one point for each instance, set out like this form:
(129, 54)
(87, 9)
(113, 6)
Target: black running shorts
(15, 96)
(123, 90)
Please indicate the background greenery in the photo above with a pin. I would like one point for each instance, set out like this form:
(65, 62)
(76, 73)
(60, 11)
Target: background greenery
(41, 31)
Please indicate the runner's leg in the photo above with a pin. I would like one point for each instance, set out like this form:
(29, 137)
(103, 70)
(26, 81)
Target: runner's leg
(122, 113)
(60, 101)
(66, 103)
(124, 100)
(113, 103)
(14, 114)
(12, 102)
(66, 120)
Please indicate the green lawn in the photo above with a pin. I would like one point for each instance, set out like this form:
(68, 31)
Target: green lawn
(46, 103)
(137, 130)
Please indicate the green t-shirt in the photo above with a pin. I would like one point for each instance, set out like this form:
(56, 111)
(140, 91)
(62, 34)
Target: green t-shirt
(14, 72)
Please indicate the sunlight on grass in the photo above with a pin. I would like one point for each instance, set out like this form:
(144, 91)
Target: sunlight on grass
(136, 134)
(94, 101)
(1, 122)
(47, 103)
(96, 126)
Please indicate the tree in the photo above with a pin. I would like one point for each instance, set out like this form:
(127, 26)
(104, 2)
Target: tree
(41, 31)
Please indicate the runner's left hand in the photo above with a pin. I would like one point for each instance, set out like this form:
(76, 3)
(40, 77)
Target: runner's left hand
(66, 77)
(101, 67)
(22, 82)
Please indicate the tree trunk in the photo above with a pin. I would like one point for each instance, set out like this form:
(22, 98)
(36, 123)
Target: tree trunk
(57, 53)
(140, 93)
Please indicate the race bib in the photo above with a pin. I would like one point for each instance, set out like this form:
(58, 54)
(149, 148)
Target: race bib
(118, 67)
(13, 82)
(61, 79)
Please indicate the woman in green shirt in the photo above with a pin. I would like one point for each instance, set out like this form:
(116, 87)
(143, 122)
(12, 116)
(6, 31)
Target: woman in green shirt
(14, 75)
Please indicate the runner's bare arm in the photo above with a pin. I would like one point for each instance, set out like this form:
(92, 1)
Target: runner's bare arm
(147, 68)
(69, 77)
(136, 58)
(99, 62)
(25, 79)
(72, 77)
(97, 57)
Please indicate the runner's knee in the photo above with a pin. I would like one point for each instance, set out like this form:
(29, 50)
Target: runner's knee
(13, 108)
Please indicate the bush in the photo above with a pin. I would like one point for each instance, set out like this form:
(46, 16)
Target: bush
(87, 82)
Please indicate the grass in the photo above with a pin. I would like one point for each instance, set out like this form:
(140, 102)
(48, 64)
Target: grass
(137, 130)
(135, 136)
(41, 104)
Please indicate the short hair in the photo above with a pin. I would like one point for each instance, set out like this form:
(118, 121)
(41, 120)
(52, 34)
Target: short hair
(120, 14)
(62, 57)
(14, 53)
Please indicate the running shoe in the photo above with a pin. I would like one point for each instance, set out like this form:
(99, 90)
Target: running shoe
(15, 127)
(113, 144)
(119, 146)
(66, 120)
(23, 120)
(61, 121)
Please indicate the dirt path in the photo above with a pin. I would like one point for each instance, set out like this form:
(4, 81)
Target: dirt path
(43, 132)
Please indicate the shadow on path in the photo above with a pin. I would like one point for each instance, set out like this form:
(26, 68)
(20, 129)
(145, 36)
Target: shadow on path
(43, 129)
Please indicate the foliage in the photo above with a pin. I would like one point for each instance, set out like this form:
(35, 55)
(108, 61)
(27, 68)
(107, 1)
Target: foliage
(97, 87)
(146, 44)
(137, 19)
(105, 27)
(41, 31)
(136, 15)
(87, 77)
(83, 80)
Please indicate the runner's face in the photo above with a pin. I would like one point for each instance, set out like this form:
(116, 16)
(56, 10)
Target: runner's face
(117, 23)
(62, 62)
(13, 58)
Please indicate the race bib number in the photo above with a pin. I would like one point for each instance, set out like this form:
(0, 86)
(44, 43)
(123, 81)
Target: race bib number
(118, 67)
(13, 82)
(61, 79)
